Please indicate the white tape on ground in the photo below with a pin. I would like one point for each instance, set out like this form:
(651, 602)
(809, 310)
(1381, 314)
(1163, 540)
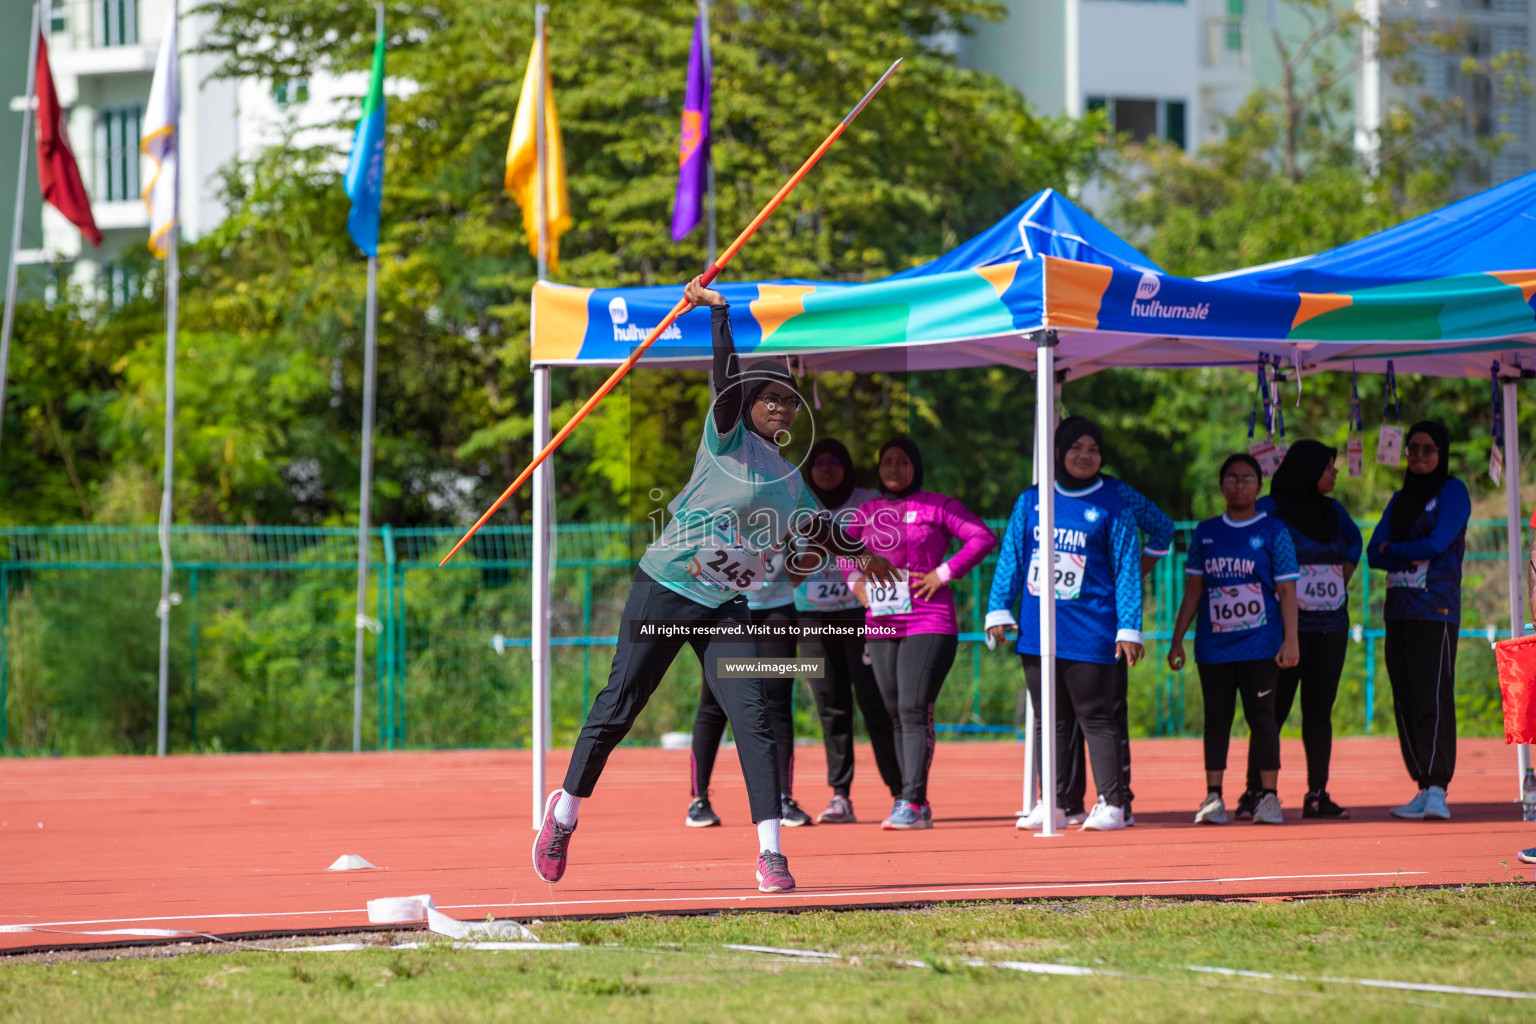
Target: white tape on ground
(410, 909)
(1403, 986)
(850, 894)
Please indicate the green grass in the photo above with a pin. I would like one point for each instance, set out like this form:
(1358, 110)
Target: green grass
(676, 969)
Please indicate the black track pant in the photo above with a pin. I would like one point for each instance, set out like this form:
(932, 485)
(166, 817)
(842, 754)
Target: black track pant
(1085, 698)
(1421, 663)
(710, 721)
(847, 678)
(1077, 750)
(637, 670)
(1316, 675)
(1220, 683)
(910, 673)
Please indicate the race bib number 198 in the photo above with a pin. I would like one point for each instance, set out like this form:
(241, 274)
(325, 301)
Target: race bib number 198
(1234, 609)
(1069, 574)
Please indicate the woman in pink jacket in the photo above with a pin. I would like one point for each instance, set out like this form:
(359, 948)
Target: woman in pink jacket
(911, 627)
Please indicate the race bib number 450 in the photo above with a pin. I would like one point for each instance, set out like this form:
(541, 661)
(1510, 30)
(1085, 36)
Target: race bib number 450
(1234, 609)
(1070, 570)
(1321, 588)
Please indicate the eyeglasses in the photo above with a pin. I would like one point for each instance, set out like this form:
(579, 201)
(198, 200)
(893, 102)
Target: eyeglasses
(827, 460)
(777, 402)
(1422, 449)
(1240, 481)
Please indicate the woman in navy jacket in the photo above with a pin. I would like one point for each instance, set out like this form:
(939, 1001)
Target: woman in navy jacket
(1418, 544)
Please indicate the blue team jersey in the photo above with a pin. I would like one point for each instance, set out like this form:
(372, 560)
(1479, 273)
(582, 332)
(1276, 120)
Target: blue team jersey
(1322, 596)
(1240, 562)
(1097, 574)
(1424, 571)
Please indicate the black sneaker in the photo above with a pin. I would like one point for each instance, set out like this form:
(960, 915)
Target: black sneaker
(1319, 805)
(700, 814)
(1245, 805)
(790, 814)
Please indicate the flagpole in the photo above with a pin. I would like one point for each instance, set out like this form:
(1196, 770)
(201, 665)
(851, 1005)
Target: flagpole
(172, 290)
(365, 489)
(710, 243)
(539, 634)
(21, 201)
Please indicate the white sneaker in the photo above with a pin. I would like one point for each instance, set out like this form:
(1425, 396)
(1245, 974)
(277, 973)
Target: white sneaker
(1212, 812)
(1077, 818)
(1034, 821)
(1104, 818)
(1267, 811)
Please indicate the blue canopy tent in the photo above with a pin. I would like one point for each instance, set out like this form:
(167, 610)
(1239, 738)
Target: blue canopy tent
(1050, 289)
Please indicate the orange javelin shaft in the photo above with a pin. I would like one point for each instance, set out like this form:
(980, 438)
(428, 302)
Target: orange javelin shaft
(678, 310)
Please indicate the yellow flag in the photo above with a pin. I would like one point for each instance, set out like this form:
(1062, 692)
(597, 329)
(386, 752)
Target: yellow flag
(523, 162)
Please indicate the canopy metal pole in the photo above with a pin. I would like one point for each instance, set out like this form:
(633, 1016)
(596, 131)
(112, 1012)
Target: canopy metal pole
(1514, 542)
(1031, 751)
(1045, 433)
(539, 641)
(21, 202)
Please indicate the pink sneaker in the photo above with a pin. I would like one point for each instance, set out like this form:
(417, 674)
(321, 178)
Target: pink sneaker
(773, 873)
(549, 848)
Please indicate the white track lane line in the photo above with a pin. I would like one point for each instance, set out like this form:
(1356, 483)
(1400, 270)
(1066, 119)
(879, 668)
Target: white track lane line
(13, 928)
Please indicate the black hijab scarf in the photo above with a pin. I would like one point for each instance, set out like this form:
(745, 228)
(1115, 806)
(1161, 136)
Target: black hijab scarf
(906, 445)
(1419, 489)
(837, 496)
(1294, 488)
(1069, 432)
(754, 379)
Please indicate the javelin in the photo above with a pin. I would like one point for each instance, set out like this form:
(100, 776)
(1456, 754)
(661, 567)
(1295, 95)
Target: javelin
(678, 310)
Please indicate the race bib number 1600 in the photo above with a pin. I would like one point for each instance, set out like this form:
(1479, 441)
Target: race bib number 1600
(1234, 609)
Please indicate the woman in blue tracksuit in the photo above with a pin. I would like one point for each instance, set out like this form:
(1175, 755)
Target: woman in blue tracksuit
(1098, 612)
(1241, 581)
(1327, 544)
(1419, 543)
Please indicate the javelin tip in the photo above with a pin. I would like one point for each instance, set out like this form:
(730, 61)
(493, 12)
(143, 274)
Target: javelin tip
(872, 90)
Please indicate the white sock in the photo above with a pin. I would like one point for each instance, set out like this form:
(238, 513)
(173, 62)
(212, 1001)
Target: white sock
(768, 835)
(566, 809)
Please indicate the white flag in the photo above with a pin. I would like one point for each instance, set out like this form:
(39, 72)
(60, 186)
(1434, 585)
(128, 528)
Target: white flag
(161, 142)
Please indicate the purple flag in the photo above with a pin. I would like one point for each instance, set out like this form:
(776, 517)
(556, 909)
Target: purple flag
(693, 153)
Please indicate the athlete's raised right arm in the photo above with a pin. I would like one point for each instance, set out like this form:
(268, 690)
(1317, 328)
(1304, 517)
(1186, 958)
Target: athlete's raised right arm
(725, 367)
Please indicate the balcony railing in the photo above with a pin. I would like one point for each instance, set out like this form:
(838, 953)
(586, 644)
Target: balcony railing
(1226, 44)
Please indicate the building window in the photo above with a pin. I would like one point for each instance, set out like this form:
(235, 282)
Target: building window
(118, 130)
(1173, 123)
(290, 91)
(58, 17)
(1145, 119)
(119, 284)
(117, 22)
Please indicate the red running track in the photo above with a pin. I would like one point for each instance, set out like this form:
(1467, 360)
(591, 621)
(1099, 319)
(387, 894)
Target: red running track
(240, 843)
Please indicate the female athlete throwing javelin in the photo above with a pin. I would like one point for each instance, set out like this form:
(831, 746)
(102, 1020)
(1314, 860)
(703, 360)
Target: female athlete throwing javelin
(742, 500)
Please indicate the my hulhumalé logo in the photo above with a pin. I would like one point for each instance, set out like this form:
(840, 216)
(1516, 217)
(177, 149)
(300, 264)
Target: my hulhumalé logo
(1146, 304)
(623, 330)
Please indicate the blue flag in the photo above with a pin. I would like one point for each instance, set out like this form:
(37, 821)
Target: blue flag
(365, 167)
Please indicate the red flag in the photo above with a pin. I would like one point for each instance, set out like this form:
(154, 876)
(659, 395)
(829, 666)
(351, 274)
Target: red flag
(57, 173)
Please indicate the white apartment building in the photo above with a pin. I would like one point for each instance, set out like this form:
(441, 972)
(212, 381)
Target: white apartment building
(1487, 28)
(1173, 69)
(103, 57)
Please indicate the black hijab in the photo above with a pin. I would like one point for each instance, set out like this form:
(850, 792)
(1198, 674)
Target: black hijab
(837, 496)
(905, 444)
(1068, 433)
(1418, 489)
(753, 379)
(1294, 488)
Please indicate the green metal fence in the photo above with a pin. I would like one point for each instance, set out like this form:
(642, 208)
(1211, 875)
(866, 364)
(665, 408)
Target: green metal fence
(263, 640)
